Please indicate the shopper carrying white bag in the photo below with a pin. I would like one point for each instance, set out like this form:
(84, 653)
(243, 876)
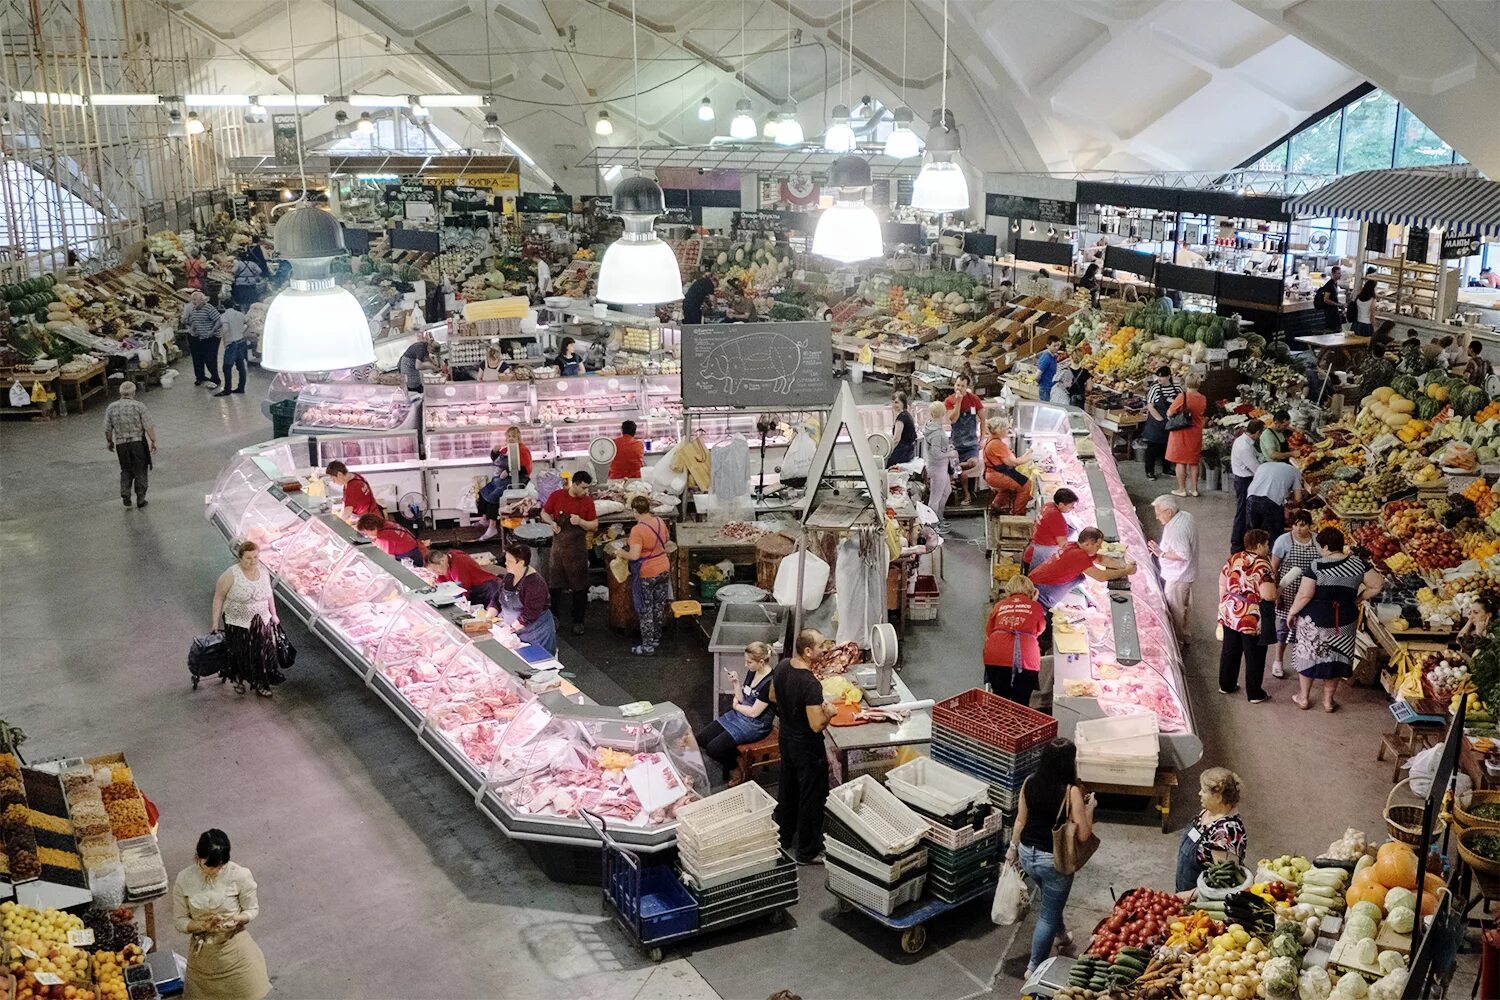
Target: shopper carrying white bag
(1011, 898)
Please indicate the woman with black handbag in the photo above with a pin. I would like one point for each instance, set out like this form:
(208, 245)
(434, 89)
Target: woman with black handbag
(1054, 831)
(255, 647)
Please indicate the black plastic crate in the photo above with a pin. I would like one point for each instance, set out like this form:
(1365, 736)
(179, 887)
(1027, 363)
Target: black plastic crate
(988, 847)
(973, 816)
(785, 872)
(776, 901)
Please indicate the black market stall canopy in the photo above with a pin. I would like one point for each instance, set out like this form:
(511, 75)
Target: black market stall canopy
(1426, 198)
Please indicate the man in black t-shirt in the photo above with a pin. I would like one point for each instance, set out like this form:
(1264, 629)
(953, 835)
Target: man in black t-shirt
(803, 715)
(697, 293)
(1327, 299)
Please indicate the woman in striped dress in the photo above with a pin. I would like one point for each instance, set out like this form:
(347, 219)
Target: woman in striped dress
(1297, 549)
(1326, 616)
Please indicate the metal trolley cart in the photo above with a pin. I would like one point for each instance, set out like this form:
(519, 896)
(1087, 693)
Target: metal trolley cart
(654, 907)
(911, 920)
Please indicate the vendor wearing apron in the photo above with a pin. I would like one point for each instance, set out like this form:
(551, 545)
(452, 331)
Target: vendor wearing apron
(525, 604)
(490, 494)
(1012, 656)
(1058, 576)
(963, 416)
(1217, 833)
(570, 512)
(750, 719)
(1051, 531)
(359, 499)
(650, 579)
(481, 587)
(1002, 470)
(569, 364)
(392, 539)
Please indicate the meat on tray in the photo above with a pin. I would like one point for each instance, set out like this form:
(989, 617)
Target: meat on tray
(739, 530)
(837, 660)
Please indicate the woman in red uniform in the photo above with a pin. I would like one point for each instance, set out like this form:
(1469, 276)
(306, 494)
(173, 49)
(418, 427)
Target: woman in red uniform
(1051, 531)
(481, 587)
(392, 539)
(359, 499)
(1012, 656)
(630, 454)
(1002, 470)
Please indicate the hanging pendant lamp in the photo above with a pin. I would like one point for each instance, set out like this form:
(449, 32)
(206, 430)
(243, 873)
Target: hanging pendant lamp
(604, 126)
(706, 111)
(742, 125)
(840, 136)
(903, 143)
(314, 325)
(638, 268)
(788, 130)
(849, 231)
(941, 185)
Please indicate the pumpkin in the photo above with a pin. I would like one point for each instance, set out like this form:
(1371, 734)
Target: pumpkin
(1391, 847)
(1399, 868)
(1367, 891)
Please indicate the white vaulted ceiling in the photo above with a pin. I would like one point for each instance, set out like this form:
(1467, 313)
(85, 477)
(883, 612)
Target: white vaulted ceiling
(1060, 85)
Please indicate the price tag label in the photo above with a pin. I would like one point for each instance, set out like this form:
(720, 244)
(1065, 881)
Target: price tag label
(47, 978)
(27, 951)
(78, 937)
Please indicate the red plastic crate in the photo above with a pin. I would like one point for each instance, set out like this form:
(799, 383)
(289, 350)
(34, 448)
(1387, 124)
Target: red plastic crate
(991, 719)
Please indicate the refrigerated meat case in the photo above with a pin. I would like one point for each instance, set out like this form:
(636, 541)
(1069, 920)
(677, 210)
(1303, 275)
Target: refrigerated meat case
(529, 761)
(373, 429)
(1132, 661)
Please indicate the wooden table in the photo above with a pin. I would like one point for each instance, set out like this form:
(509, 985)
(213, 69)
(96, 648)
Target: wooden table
(1345, 345)
(1159, 792)
(702, 541)
(75, 387)
(48, 381)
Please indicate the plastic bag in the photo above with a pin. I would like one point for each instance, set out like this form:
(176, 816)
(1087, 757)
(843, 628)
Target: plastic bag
(1422, 765)
(1011, 898)
(815, 577)
(18, 395)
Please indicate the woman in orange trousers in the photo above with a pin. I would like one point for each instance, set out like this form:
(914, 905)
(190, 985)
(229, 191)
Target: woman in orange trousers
(1002, 470)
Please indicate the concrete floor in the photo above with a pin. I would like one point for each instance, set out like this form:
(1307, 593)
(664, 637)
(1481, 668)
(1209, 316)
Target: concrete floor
(379, 878)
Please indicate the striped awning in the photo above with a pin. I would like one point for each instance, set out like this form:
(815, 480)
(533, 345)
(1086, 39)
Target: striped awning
(1409, 198)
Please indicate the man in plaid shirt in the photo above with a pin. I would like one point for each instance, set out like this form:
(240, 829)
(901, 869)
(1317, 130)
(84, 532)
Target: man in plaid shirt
(130, 434)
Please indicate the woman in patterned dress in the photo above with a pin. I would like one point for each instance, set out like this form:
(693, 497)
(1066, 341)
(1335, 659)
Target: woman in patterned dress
(1217, 833)
(1326, 613)
(1297, 549)
(1246, 581)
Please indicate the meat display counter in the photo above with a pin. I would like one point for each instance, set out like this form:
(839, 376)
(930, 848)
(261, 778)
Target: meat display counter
(531, 762)
(1123, 657)
(370, 428)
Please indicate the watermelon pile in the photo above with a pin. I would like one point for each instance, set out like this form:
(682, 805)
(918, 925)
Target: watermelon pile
(29, 297)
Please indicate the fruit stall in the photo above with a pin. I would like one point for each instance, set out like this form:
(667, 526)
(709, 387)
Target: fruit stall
(80, 873)
(532, 750)
(1333, 927)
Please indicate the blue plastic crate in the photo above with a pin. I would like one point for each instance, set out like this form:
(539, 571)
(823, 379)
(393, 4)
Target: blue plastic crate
(663, 909)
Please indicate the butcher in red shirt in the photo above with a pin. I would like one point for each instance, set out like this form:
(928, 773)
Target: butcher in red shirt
(571, 513)
(1076, 560)
(630, 454)
(1012, 655)
(392, 539)
(359, 499)
(457, 566)
(1051, 531)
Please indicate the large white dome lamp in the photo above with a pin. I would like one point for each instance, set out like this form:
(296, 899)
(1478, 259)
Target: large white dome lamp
(849, 231)
(313, 325)
(840, 136)
(788, 130)
(706, 110)
(941, 185)
(638, 268)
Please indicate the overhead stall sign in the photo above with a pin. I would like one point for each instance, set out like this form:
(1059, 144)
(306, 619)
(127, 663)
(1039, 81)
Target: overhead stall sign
(1012, 206)
(1458, 245)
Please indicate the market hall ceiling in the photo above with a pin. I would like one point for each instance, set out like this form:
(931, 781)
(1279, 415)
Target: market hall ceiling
(1035, 84)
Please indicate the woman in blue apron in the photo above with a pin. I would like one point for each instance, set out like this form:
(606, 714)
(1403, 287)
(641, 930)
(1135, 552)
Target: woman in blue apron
(569, 363)
(749, 720)
(650, 574)
(1217, 833)
(525, 602)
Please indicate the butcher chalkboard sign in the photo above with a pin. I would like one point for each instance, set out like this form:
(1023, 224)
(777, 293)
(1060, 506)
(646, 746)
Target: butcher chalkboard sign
(771, 365)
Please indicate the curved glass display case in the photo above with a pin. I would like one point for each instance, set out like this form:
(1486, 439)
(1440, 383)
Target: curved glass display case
(466, 699)
(1132, 660)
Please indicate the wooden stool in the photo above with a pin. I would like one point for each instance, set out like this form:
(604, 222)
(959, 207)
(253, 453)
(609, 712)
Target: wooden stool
(1407, 740)
(757, 757)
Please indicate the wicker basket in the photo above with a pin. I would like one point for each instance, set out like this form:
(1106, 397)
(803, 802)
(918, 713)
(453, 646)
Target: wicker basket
(1403, 819)
(1465, 820)
(1484, 866)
